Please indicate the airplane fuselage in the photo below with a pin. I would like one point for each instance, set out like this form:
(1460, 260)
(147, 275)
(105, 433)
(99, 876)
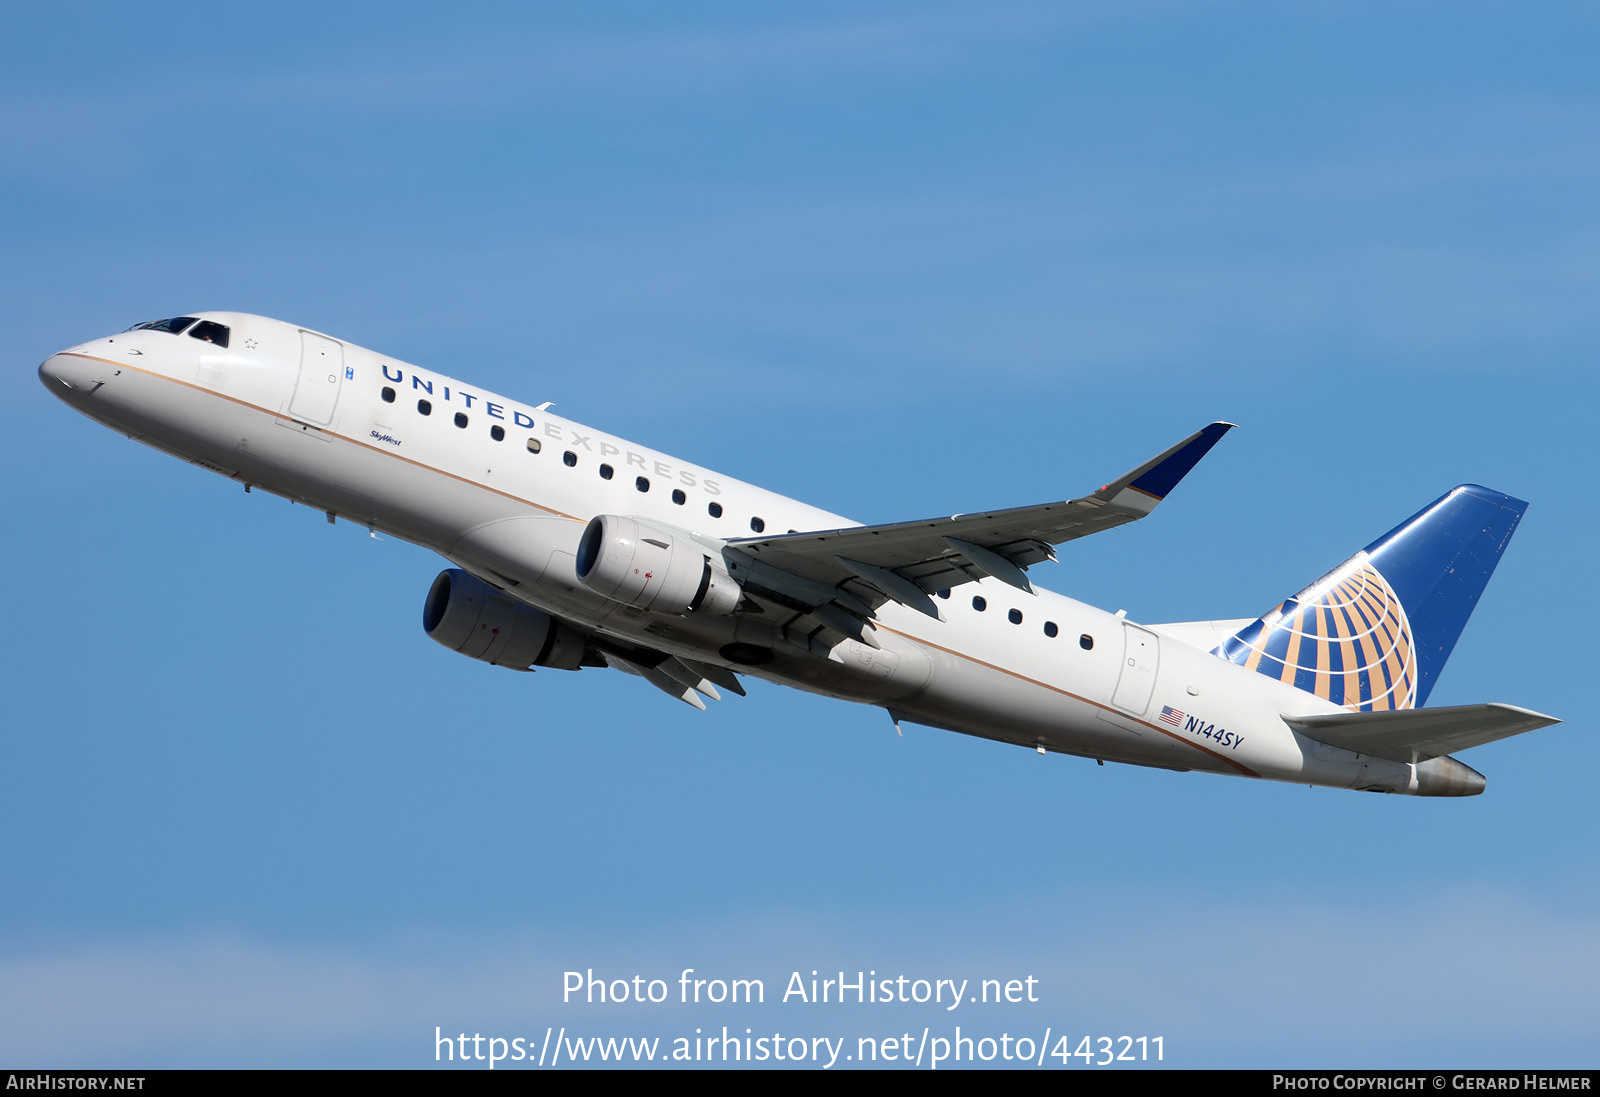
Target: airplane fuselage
(505, 490)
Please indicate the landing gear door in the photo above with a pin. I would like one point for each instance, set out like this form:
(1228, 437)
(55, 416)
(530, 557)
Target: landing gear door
(321, 372)
(1141, 657)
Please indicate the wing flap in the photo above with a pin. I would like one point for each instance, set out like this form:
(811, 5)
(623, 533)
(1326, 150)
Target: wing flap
(1412, 735)
(657, 677)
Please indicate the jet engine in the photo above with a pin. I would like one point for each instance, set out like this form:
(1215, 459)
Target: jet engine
(652, 568)
(466, 614)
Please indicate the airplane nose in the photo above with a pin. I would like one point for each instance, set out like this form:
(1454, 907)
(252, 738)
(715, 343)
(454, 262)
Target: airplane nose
(66, 375)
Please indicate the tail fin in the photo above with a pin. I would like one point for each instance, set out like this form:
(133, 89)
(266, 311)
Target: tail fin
(1374, 633)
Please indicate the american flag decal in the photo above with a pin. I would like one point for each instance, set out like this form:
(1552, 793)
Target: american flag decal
(1171, 716)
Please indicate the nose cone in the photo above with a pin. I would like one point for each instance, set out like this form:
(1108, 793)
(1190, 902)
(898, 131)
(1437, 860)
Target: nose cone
(69, 376)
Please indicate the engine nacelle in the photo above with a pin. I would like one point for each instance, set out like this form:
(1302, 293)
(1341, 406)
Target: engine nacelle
(644, 565)
(466, 614)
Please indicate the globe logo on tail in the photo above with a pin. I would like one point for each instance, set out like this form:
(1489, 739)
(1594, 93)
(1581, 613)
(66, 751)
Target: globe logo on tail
(1345, 638)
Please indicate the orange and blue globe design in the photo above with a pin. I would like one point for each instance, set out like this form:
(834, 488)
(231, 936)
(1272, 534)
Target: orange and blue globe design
(1345, 638)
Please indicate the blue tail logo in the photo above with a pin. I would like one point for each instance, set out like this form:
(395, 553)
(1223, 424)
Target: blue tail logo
(1374, 633)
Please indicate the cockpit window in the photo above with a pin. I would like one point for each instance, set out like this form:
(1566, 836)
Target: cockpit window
(211, 332)
(174, 325)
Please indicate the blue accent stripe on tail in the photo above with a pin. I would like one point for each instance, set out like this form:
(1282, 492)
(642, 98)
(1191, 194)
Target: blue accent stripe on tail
(1439, 561)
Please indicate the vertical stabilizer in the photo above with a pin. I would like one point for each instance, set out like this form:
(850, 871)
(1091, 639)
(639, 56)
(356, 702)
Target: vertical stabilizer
(1374, 633)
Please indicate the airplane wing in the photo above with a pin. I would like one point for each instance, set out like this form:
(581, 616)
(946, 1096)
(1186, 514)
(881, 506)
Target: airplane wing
(1415, 734)
(905, 562)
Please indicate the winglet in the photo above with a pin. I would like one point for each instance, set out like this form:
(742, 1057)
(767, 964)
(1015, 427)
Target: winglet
(1158, 476)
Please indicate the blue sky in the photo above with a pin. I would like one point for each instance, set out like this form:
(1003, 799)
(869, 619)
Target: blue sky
(894, 260)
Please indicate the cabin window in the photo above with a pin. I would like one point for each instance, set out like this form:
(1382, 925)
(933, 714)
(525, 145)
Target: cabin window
(1086, 642)
(534, 445)
(569, 459)
(714, 509)
(758, 525)
(498, 433)
(1050, 629)
(679, 497)
(607, 472)
(945, 593)
(1015, 617)
(388, 395)
(424, 407)
(461, 419)
(978, 603)
(642, 483)
(209, 331)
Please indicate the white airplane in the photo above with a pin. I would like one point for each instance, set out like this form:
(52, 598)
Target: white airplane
(575, 548)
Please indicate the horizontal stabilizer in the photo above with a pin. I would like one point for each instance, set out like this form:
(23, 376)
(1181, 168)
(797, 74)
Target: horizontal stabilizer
(1411, 735)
